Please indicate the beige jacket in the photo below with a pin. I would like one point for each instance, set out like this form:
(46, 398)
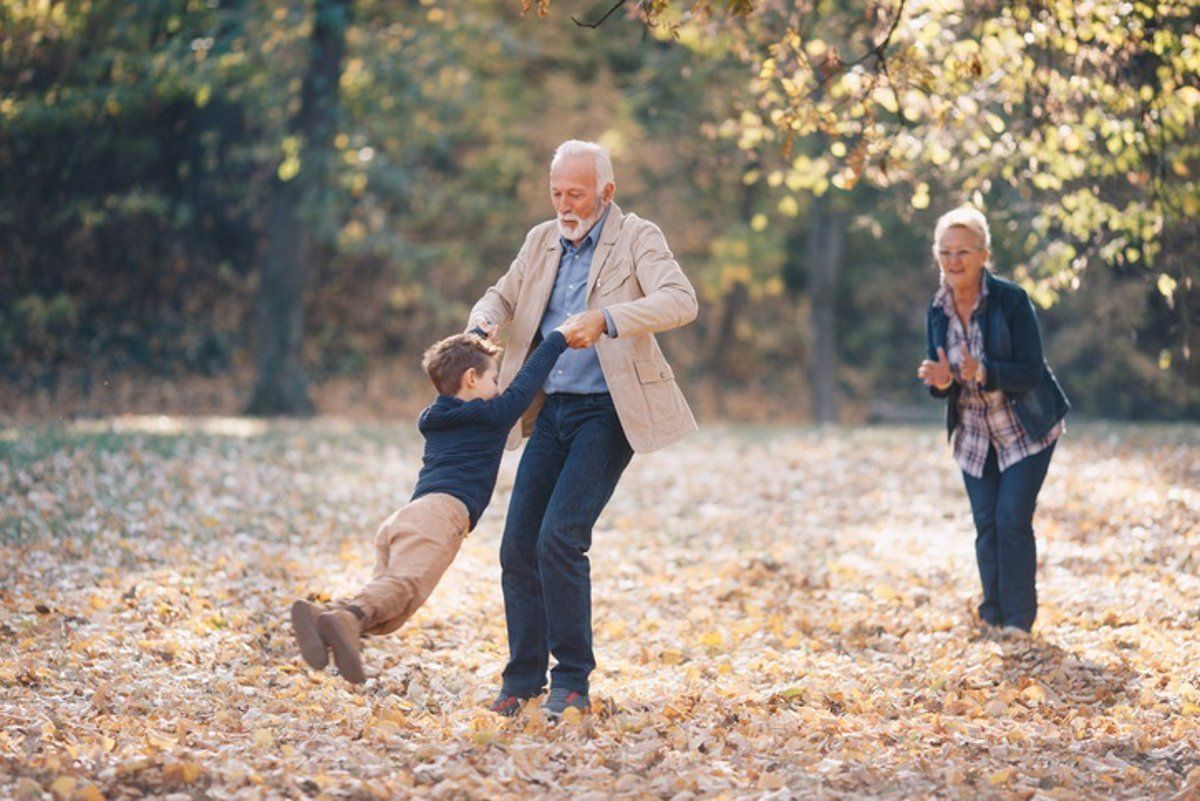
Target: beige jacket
(633, 276)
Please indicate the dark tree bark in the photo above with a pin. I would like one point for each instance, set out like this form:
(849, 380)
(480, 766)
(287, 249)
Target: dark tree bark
(724, 340)
(827, 234)
(282, 387)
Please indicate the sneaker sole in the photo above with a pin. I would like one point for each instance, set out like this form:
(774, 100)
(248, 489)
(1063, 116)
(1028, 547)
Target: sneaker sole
(556, 714)
(304, 628)
(345, 653)
(508, 711)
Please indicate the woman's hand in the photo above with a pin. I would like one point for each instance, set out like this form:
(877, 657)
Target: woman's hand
(972, 370)
(936, 374)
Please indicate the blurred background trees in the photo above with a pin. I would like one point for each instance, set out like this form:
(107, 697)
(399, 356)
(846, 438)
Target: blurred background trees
(188, 192)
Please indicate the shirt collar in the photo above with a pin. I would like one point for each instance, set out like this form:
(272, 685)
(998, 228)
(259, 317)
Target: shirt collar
(592, 236)
(945, 298)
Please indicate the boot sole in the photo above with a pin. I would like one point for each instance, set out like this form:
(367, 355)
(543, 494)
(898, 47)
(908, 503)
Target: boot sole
(345, 653)
(308, 639)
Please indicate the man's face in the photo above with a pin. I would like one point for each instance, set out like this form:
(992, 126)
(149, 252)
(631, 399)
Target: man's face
(573, 193)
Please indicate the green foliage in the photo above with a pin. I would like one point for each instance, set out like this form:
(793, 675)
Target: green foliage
(139, 142)
(1076, 120)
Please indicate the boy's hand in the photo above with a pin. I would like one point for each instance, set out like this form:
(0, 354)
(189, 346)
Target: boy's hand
(583, 329)
(483, 328)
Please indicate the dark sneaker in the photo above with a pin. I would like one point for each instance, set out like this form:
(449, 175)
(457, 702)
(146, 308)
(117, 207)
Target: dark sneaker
(340, 628)
(508, 705)
(308, 639)
(561, 700)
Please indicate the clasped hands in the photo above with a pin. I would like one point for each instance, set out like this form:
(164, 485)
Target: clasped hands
(580, 330)
(939, 374)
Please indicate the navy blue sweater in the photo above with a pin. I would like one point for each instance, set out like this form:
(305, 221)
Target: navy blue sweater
(464, 440)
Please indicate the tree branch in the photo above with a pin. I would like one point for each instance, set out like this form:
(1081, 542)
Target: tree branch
(878, 50)
(600, 21)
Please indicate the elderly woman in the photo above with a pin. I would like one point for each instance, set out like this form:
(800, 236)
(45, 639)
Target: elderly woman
(1004, 411)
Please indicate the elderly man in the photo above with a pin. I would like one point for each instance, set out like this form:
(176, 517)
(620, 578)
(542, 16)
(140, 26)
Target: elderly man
(612, 394)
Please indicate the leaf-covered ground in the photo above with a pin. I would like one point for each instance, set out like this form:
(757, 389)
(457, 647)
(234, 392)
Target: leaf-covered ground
(778, 612)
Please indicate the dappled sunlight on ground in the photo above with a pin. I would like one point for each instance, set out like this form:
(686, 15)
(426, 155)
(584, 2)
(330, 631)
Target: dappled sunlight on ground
(777, 611)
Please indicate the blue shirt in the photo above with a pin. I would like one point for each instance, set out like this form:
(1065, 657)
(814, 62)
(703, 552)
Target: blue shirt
(577, 370)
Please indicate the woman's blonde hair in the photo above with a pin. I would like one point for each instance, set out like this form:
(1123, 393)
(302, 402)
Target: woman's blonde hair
(963, 217)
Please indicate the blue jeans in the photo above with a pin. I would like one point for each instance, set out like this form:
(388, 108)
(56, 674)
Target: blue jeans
(568, 472)
(1002, 505)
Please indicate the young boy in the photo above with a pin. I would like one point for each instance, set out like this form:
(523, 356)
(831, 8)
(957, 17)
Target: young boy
(465, 430)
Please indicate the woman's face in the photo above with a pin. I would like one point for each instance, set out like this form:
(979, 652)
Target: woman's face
(962, 257)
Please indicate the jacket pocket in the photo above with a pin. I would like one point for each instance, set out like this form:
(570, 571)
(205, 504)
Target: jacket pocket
(650, 371)
(613, 280)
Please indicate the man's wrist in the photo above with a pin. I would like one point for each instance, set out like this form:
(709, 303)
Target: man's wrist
(944, 387)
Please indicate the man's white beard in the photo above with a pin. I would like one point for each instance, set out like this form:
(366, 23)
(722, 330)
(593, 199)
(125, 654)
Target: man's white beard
(579, 231)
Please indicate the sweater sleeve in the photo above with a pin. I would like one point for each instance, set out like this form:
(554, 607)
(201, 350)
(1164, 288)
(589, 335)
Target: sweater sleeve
(508, 407)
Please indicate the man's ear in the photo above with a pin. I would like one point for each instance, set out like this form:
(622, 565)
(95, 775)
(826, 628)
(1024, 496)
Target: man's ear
(470, 378)
(609, 190)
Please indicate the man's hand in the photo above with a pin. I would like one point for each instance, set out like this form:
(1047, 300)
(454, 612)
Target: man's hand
(936, 374)
(489, 331)
(583, 329)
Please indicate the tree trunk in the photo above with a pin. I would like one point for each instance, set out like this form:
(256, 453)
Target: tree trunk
(724, 334)
(282, 387)
(827, 233)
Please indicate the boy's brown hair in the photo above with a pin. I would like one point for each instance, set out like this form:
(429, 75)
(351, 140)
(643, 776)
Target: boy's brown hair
(447, 360)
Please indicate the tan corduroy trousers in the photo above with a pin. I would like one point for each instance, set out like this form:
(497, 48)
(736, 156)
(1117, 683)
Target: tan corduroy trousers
(413, 548)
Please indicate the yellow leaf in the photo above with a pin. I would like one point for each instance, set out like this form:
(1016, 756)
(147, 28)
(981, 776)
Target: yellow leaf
(89, 792)
(1034, 693)
(671, 656)
(920, 198)
(263, 738)
(62, 787)
(1000, 777)
(182, 772)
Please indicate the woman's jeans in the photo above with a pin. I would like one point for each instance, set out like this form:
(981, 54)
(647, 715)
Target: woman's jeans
(1002, 505)
(568, 472)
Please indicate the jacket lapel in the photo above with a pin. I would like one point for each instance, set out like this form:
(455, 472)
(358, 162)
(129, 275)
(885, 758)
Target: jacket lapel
(541, 280)
(608, 238)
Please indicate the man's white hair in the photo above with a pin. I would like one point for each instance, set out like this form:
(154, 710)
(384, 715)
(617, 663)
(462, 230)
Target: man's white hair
(963, 217)
(577, 147)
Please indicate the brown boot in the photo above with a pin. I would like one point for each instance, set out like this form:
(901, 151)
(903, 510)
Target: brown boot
(304, 626)
(340, 628)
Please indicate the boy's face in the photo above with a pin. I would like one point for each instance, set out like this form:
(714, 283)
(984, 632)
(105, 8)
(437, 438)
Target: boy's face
(480, 386)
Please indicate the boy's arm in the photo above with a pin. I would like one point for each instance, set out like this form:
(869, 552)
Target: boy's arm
(508, 407)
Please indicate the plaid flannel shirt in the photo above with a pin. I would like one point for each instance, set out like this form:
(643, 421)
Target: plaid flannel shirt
(985, 418)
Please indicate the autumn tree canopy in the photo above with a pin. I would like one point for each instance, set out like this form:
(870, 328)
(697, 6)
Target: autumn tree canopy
(1075, 122)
